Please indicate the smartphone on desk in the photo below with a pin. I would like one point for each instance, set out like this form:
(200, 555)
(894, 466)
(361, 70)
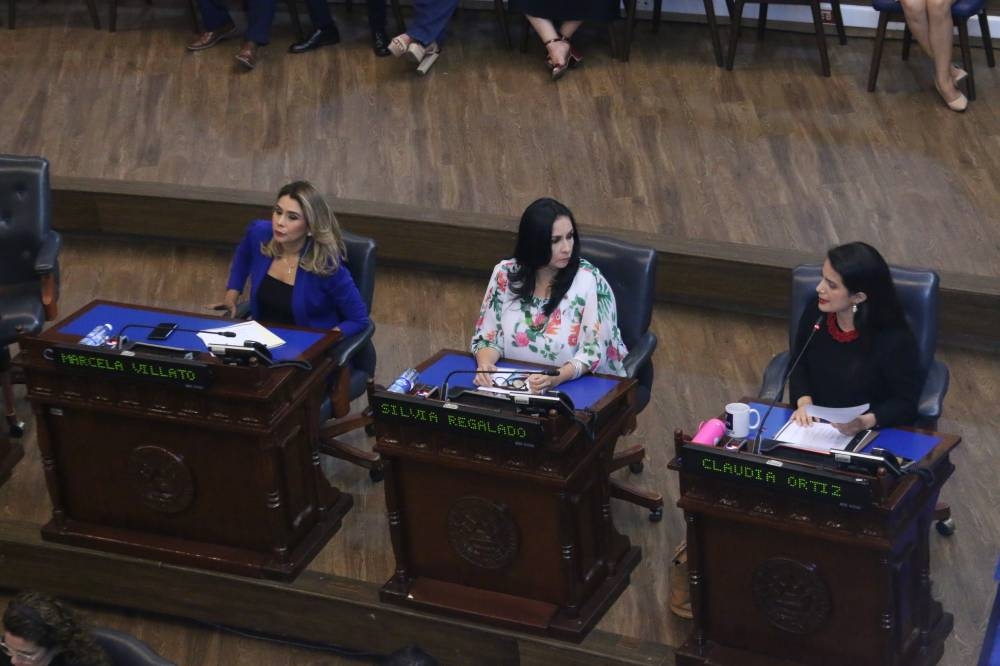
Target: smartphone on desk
(162, 331)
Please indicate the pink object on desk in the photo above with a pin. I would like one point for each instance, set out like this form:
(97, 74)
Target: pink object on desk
(710, 432)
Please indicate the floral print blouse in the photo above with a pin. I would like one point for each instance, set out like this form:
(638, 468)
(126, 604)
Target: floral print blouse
(583, 327)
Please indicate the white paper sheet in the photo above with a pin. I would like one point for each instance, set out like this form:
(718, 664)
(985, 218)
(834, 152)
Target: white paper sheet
(820, 437)
(836, 414)
(245, 330)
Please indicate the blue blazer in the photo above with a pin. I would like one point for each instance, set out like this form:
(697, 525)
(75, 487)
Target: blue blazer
(318, 301)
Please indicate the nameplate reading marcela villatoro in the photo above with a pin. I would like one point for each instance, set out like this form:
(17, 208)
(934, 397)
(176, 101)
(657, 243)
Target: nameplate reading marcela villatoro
(111, 363)
(786, 478)
(465, 419)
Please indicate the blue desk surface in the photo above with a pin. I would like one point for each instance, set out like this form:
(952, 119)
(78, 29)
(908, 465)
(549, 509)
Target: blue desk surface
(584, 392)
(903, 443)
(296, 341)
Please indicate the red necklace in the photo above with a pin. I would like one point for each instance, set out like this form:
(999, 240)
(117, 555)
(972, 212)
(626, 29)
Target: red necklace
(836, 333)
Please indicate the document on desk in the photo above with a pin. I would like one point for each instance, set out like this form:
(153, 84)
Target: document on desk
(836, 414)
(245, 330)
(821, 436)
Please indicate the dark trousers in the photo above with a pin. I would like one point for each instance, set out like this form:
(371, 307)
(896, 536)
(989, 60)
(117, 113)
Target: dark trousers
(260, 16)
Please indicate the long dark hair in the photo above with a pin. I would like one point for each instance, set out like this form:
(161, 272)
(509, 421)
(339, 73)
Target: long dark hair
(862, 268)
(49, 624)
(534, 250)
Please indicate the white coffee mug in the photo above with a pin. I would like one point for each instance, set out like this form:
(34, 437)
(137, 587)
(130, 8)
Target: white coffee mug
(738, 419)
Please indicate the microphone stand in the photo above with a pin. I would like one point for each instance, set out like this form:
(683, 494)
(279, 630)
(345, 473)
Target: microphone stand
(755, 449)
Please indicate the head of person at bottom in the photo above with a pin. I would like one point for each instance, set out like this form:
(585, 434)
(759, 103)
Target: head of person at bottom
(547, 253)
(856, 286)
(41, 631)
(303, 226)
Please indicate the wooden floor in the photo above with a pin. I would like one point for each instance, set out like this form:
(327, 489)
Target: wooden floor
(771, 154)
(704, 359)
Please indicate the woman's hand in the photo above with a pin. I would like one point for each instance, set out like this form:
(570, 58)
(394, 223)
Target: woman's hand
(483, 379)
(542, 383)
(799, 415)
(228, 303)
(853, 427)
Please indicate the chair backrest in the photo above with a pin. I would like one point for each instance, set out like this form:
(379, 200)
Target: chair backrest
(918, 294)
(361, 252)
(127, 650)
(25, 215)
(361, 262)
(631, 272)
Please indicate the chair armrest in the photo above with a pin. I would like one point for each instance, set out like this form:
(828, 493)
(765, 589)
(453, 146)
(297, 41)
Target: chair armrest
(48, 254)
(773, 374)
(935, 389)
(348, 348)
(640, 354)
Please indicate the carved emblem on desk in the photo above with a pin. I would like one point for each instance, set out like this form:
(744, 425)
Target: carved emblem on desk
(792, 595)
(161, 479)
(482, 533)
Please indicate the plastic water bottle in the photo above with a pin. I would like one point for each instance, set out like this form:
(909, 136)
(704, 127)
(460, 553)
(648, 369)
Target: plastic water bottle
(98, 336)
(405, 382)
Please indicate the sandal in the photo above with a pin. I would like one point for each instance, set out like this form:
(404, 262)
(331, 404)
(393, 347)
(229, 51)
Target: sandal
(428, 58)
(558, 69)
(398, 46)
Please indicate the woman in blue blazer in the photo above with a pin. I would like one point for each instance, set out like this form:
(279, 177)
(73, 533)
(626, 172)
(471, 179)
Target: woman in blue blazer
(295, 265)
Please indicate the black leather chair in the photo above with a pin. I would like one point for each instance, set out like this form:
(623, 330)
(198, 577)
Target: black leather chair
(356, 358)
(631, 272)
(29, 261)
(127, 650)
(918, 294)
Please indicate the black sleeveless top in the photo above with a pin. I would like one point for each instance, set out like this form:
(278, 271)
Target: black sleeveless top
(274, 301)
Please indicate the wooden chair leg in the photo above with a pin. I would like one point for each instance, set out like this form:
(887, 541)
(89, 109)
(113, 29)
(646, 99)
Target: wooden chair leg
(502, 19)
(984, 30)
(525, 35)
(883, 23)
(95, 19)
(293, 11)
(397, 11)
(113, 17)
(10, 14)
(963, 41)
(657, 14)
(713, 31)
(838, 21)
(630, 10)
(824, 58)
(195, 23)
(761, 21)
(734, 32)
(907, 41)
(615, 52)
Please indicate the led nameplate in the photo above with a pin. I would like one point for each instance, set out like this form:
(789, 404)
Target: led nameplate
(188, 374)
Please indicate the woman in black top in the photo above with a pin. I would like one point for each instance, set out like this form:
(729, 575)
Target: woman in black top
(863, 350)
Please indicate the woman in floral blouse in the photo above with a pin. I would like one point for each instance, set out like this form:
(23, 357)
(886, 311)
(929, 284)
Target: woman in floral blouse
(548, 306)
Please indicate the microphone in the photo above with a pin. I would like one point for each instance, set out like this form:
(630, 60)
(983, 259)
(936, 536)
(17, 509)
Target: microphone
(122, 339)
(527, 371)
(781, 389)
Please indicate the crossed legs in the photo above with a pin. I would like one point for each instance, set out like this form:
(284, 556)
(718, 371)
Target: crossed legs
(931, 24)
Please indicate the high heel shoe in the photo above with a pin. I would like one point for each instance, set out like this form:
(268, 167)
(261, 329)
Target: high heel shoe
(424, 56)
(959, 104)
(15, 427)
(558, 69)
(958, 74)
(398, 46)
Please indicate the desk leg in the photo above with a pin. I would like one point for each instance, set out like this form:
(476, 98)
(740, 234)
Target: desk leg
(49, 465)
(400, 582)
(695, 581)
(570, 558)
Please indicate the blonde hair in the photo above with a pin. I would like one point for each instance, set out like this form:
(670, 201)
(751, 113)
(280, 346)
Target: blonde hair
(325, 246)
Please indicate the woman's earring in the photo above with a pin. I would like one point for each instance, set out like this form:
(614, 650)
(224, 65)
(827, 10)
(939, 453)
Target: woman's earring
(854, 308)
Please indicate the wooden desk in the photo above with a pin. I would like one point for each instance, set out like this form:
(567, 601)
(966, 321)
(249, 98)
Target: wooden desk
(485, 528)
(227, 477)
(783, 571)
